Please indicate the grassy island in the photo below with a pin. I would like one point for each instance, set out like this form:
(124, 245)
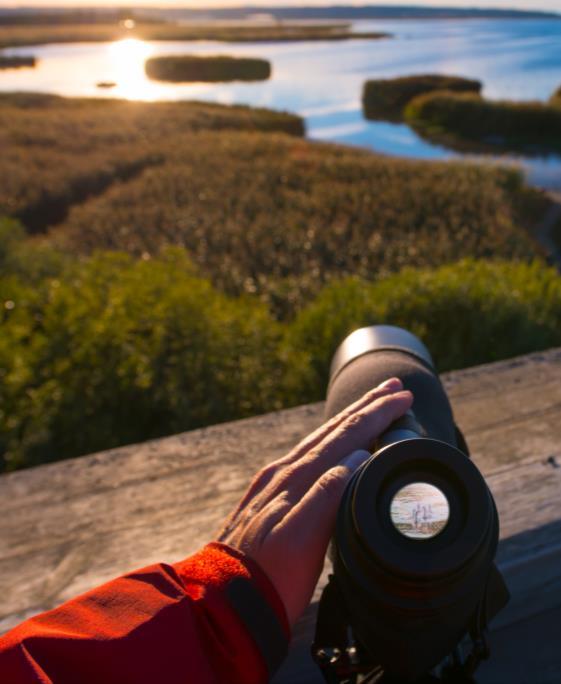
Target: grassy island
(25, 61)
(179, 264)
(466, 119)
(24, 34)
(207, 68)
(385, 99)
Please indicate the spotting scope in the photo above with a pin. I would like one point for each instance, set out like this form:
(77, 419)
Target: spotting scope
(414, 584)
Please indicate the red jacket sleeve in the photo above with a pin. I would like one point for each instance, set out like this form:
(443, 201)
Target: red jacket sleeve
(213, 618)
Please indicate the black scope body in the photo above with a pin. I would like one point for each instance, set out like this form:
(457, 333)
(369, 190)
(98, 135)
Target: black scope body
(417, 528)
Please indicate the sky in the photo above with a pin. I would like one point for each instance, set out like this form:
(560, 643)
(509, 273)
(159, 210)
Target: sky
(554, 5)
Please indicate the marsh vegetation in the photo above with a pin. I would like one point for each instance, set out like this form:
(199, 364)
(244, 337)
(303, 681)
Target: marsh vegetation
(59, 151)
(199, 263)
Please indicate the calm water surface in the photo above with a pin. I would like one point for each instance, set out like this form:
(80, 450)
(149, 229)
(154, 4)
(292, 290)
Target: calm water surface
(322, 81)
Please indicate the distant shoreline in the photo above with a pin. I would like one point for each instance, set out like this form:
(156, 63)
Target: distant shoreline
(279, 13)
(343, 12)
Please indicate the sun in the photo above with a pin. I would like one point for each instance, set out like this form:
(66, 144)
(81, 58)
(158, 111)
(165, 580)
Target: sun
(127, 60)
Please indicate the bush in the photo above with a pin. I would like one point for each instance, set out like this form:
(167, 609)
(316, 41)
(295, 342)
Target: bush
(113, 351)
(106, 350)
(510, 125)
(207, 68)
(556, 98)
(467, 313)
(386, 98)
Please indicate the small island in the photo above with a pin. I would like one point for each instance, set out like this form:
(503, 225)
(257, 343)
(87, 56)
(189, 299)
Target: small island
(467, 121)
(386, 99)
(20, 62)
(451, 111)
(207, 69)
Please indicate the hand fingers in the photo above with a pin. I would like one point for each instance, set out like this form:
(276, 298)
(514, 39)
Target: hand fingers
(358, 431)
(263, 479)
(388, 387)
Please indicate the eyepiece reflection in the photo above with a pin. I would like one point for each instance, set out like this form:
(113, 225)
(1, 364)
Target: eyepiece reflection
(419, 511)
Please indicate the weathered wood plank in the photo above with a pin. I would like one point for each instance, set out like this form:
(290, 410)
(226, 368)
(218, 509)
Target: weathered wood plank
(68, 526)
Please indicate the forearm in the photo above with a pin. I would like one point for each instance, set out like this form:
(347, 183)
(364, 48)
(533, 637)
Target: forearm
(214, 617)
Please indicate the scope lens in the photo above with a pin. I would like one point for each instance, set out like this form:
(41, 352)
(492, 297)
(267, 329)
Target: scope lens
(419, 511)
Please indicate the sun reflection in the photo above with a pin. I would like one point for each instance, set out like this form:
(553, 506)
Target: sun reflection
(127, 61)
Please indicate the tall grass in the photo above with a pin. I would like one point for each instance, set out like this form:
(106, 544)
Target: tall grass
(57, 151)
(279, 216)
(260, 213)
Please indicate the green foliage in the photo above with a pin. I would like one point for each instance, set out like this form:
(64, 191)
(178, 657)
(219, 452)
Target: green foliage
(207, 68)
(28, 260)
(113, 351)
(109, 350)
(503, 124)
(386, 98)
(467, 313)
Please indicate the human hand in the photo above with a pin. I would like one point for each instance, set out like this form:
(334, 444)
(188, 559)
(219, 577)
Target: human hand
(287, 516)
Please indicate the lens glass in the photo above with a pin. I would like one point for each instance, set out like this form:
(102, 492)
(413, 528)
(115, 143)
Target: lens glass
(419, 511)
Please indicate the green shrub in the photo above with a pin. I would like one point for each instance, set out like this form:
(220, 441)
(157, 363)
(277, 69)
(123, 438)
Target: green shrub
(467, 313)
(501, 124)
(386, 98)
(106, 350)
(207, 68)
(28, 260)
(113, 351)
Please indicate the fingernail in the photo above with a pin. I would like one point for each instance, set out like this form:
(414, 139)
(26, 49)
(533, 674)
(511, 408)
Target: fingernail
(392, 383)
(356, 459)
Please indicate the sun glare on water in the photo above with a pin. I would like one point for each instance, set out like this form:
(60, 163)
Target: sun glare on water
(127, 61)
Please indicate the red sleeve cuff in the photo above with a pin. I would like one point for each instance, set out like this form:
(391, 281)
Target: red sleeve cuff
(219, 573)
